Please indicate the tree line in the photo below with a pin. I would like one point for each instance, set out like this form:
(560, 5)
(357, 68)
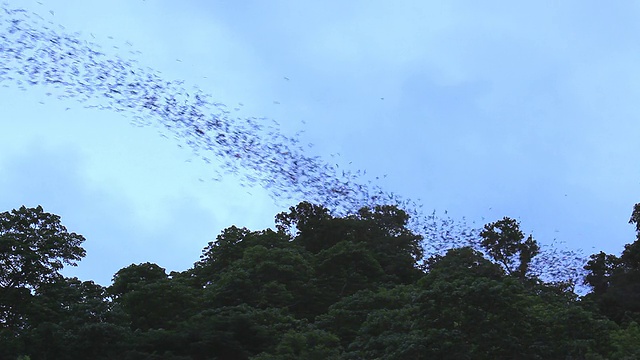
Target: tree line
(318, 286)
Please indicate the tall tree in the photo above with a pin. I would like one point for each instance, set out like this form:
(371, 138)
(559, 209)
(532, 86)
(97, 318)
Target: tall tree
(229, 247)
(616, 280)
(73, 319)
(151, 299)
(34, 247)
(504, 242)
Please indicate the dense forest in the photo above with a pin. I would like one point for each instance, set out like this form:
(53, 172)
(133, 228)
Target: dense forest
(319, 286)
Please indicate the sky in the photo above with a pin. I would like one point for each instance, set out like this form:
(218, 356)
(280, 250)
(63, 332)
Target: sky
(480, 110)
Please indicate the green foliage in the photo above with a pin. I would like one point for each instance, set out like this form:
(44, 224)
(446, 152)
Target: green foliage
(34, 247)
(72, 302)
(465, 307)
(306, 217)
(234, 332)
(134, 277)
(306, 343)
(471, 310)
(324, 287)
(72, 319)
(230, 247)
(503, 241)
(151, 299)
(381, 230)
(264, 278)
(384, 230)
(626, 342)
(346, 268)
(378, 324)
(616, 280)
(601, 268)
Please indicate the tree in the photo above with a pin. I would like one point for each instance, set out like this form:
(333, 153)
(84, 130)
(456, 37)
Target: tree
(34, 247)
(345, 269)
(267, 278)
(304, 216)
(234, 332)
(601, 269)
(615, 281)
(311, 222)
(466, 307)
(503, 240)
(305, 343)
(374, 319)
(339, 288)
(134, 277)
(625, 342)
(382, 230)
(73, 319)
(151, 299)
(230, 247)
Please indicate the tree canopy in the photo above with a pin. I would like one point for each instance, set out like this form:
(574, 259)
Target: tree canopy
(320, 286)
(34, 247)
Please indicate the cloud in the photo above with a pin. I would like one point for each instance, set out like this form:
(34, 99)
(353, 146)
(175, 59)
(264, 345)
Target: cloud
(116, 235)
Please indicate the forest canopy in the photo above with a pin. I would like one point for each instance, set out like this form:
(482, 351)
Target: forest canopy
(319, 286)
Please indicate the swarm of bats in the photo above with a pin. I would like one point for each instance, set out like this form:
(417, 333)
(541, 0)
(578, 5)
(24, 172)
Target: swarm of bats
(35, 52)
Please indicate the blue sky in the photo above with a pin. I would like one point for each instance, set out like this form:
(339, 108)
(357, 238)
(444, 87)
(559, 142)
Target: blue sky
(481, 110)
